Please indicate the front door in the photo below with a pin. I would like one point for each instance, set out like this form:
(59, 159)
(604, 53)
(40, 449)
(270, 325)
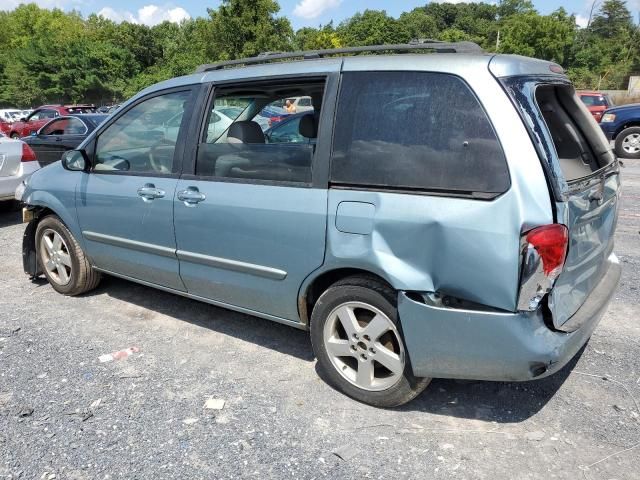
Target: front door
(250, 224)
(125, 204)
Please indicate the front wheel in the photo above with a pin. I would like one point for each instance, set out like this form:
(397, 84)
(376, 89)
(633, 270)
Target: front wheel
(15, 136)
(62, 260)
(357, 339)
(628, 143)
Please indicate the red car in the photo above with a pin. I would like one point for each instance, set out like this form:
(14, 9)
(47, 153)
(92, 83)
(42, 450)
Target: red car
(596, 103)
(5, 127)
(42, 115)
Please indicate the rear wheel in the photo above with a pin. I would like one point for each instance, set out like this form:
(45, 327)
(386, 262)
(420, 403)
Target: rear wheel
(359, 345)
(62, 260)
(628, 143)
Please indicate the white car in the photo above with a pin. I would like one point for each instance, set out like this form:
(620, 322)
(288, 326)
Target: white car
(10, 114)
(17, 163)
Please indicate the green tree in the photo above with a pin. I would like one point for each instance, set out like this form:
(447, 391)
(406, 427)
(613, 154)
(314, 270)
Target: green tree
(244, 28)
(372, 27)
(542, 36)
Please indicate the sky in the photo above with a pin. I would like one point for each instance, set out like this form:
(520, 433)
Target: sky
(301, 12)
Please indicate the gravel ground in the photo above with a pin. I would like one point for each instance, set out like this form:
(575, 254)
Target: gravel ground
(66, 415)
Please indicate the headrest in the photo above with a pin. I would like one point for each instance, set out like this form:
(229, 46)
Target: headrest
(245, 131)
(309, 125)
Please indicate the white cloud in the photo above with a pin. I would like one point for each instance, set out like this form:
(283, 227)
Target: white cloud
(314, 8)
(581, 21)
(147, 15)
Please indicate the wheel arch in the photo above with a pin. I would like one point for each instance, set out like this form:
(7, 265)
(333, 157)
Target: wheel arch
(316, 284)
(624, 126)
(41, 209)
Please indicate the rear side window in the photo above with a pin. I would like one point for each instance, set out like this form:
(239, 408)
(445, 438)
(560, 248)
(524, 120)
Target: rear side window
(417, 131)
(577, 139)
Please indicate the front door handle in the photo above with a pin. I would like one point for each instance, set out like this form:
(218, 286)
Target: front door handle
(149, 192)
(191, 196)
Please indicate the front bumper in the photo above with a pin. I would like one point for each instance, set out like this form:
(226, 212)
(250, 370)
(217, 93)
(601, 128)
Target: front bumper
(608, 130)
(482, 345)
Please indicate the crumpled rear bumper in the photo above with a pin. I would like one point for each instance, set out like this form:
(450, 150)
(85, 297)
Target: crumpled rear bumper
(482, 345)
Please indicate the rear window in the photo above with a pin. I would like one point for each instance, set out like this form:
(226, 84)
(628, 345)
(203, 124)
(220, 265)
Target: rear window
(416, 131)
(594, 100)
(578, 141)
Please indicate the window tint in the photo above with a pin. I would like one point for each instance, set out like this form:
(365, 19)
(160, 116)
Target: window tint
(240, 144)
(415, 130)
(65, 126)
(36, 116)
(143, 139)
(594, 100)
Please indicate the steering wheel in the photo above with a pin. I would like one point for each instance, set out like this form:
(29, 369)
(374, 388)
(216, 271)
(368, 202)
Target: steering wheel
(154, 161)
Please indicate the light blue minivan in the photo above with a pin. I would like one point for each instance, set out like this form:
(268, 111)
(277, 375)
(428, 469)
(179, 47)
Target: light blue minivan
(439, 212)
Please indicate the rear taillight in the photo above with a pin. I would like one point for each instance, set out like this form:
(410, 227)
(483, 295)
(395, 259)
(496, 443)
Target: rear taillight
(544, 250)
(28, 155)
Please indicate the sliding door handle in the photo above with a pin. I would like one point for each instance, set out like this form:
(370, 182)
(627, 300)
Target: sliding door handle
(149, 192)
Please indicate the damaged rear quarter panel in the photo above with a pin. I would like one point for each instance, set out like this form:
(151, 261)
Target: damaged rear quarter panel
(460, 247)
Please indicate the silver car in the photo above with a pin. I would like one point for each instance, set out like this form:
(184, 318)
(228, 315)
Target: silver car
(17, 163)
(452, 213)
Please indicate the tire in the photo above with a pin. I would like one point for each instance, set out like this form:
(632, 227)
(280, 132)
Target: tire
(628, 143)
(62, 260)
(344, 348)
(15, 136)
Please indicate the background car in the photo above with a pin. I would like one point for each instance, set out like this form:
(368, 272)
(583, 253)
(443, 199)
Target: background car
(5, 127)
(622, 125)
(40, 116)
(9, 114)
(301, 104)
(596, 103)
(17, 162)
(62, 134)
(288, 130)
(269, 116)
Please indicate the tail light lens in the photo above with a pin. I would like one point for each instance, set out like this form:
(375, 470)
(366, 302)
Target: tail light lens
(28, 155)
(544, 250)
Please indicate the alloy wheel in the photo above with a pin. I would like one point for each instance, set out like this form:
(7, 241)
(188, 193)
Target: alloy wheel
(631, 143)
(364, 346)
(55, 257)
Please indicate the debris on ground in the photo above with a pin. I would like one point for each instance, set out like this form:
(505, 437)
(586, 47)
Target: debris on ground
(90, 412)
(214, 404)
(25, 411)
(119, 355)
(189, 421)
(346, 452)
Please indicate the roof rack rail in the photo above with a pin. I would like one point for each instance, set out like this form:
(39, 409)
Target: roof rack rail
(423, 44)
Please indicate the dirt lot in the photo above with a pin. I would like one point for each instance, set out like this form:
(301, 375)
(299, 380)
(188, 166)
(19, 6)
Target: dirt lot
(66, 415)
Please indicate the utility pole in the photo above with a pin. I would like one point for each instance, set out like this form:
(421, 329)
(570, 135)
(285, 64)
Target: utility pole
(498, 41)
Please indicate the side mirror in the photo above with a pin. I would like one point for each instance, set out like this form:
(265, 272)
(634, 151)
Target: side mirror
(75, 161)
(34, 133)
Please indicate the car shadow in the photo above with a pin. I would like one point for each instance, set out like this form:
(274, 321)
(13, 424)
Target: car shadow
(9, 215)
(495, 402)
(499, 402)
(261, 332)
